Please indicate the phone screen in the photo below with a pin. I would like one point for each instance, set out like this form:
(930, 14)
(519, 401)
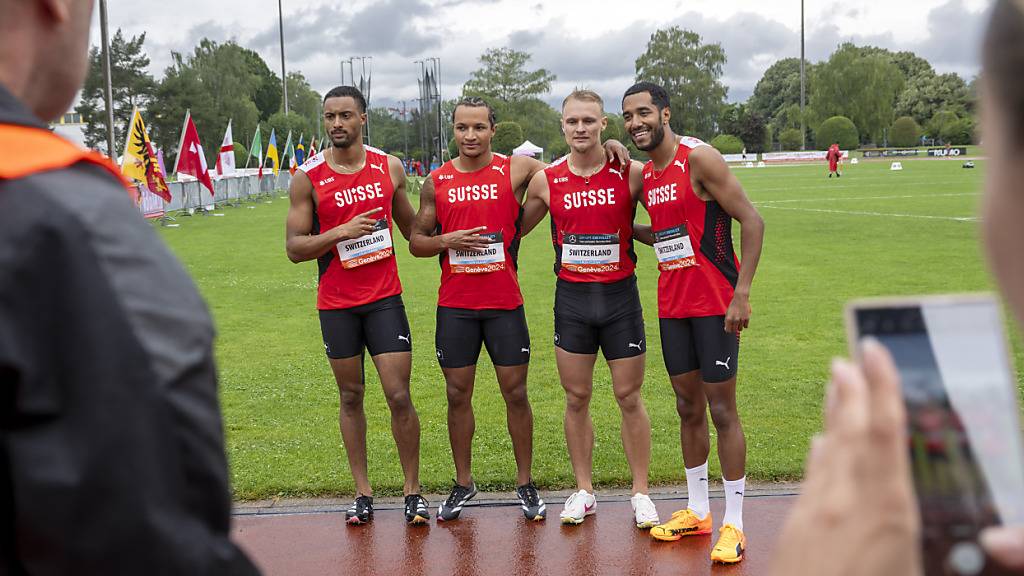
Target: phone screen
(962, 417)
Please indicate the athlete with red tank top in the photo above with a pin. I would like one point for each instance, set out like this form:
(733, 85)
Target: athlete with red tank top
(469, 217)
(592, 201)
(703, 303)
(344, 202)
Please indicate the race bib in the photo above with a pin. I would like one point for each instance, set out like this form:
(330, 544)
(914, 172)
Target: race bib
(590, 253)
(490, 259)
(673, 248)
(367, 249)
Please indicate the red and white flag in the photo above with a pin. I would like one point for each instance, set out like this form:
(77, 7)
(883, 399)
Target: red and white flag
(226, 158)
(191, 159)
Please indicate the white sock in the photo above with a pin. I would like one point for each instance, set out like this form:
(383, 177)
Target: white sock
(734, 490)
(697, 490)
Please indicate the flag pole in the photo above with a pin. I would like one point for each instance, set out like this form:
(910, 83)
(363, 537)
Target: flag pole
(108, 92)
(803, 128)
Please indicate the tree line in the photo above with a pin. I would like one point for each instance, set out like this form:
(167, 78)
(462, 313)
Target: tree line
(860, 95)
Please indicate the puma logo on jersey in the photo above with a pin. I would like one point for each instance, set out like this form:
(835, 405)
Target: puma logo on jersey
(637, 345)
(561, 180)
(647, 176)
(499, 168)
(377, 167)
(406, 338)
(726, 363)
(526, 350)
(327, 180)
(682, 165)
(446, 177)
(616, 172)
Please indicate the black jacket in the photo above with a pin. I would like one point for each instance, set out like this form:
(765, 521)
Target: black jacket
(111, 447)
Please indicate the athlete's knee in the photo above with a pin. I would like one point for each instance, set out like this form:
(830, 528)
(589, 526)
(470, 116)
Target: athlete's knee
(691, 413)
(723, 414)
(351, 398)
(629, 399)
(516, 397)
(577, 400)
(459, 394)
(399, 400)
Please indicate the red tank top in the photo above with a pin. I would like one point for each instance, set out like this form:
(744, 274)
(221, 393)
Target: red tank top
(362, 270)
(591, 223)
(464, 200)
(693, 242)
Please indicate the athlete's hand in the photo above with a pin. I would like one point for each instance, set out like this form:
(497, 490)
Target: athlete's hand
(737, 317)
(357, 227)
(617, 152)
(856, 513)
(465, 240)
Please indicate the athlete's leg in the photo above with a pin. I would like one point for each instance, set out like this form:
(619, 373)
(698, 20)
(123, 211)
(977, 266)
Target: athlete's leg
(518, 417)
(692, 406)
(627, 379)
(394, 370)
(348, 372)
(508, 343)
(389, 343)
(576, 372)
(461, 423)
(458, 339)
(732, 445)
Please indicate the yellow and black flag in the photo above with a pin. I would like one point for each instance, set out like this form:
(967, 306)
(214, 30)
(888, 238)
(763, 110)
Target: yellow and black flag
(140, 161)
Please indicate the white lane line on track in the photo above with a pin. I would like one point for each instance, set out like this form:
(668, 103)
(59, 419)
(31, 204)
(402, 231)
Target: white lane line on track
(883, 214)
(839, 199)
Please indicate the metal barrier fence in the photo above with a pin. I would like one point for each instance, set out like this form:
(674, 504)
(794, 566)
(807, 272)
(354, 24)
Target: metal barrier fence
(190, 196)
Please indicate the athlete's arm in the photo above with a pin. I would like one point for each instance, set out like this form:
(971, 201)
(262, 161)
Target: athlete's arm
(537, 199)
(616, 151)
(300, 244)
(716, 180)
(401, 209)
(524, 168)
(425, 244)
(641, 232)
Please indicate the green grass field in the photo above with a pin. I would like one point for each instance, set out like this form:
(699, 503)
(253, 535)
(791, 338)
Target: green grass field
(874, 232)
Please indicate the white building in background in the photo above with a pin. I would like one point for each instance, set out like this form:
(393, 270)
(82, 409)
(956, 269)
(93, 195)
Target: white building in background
(70, 126)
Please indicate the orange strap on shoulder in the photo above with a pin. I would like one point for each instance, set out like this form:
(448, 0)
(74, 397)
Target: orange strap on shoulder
(25, 150)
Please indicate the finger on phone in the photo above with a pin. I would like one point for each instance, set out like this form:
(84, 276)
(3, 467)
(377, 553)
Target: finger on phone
(887, 411)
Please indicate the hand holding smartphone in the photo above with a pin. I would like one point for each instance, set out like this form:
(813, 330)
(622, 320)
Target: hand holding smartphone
(964, 435)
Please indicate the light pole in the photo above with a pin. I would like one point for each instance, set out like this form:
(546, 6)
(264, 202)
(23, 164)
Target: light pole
(803, 87)
(284, 77)
(108, 92)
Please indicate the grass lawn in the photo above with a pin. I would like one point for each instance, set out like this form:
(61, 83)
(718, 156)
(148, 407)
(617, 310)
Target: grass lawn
(873, 232)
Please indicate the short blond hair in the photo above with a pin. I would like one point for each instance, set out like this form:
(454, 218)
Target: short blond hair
(584, 95)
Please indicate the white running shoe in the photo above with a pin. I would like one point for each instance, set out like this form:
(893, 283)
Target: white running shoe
(644, 511)
(578, 506)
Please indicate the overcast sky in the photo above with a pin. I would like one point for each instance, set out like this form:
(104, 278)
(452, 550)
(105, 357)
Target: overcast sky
(589, 43)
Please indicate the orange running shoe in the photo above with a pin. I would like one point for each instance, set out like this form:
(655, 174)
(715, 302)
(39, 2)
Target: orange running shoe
(730, 546)
(683, 523)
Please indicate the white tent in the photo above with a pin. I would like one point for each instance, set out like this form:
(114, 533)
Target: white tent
(527, 149)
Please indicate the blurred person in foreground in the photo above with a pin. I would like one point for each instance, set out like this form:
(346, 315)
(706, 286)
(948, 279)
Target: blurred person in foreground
(857, 513)
(111, 448)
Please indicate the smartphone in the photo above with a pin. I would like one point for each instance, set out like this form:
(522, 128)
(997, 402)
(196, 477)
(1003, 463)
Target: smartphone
(964, 434)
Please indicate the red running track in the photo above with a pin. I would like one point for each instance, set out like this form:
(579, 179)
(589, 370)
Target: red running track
(497, 540)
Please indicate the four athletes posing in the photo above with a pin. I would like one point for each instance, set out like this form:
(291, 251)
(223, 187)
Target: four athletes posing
(473, 212)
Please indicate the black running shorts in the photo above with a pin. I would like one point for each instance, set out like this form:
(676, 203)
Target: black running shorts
(380, 326)
(699, 343)
(592, 315)
(461, 331)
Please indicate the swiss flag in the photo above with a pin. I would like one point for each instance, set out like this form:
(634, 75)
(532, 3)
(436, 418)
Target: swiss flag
(191, 159)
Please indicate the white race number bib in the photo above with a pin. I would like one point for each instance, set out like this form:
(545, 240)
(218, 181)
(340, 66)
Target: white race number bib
(367, 249)
(490, 259)
(590, 253)
(673, 249)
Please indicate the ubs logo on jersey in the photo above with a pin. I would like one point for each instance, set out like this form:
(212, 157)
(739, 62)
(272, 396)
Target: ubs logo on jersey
(561, 180)
(327, 180)
(446, 177)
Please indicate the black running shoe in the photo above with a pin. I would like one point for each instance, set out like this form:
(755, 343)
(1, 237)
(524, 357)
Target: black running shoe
(533, 505)
(416, 509)
(452, 507)
(360, 512)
